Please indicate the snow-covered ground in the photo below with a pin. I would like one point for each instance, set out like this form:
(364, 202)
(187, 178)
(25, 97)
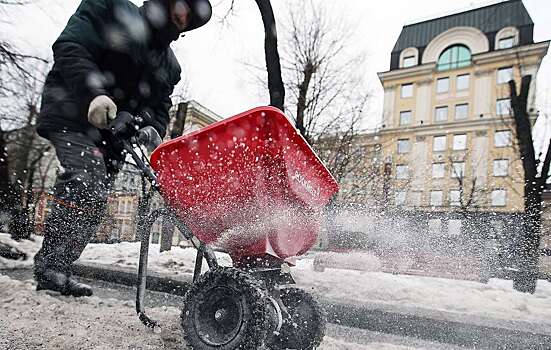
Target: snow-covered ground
(496, 300)
(32, 320)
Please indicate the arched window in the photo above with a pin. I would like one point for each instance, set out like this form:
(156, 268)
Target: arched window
(453, 57)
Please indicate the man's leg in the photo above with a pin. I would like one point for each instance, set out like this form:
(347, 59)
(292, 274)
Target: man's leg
(80, 197)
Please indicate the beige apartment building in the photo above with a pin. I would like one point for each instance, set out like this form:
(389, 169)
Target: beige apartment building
(448, 132)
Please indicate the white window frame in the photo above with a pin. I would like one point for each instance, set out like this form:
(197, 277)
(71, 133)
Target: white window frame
(454, 227)
(502, 138)
(459, 142)
(499, 198)
(458, 170)
(401, 144)
(409, 61)
(436, 114)
(442, 85)
(409, 119)
(501, 167)
(504, 75)
(436, 198)
(455, 198)
(402, 172)
(406, 90)
(400, 198)
(438, 170)
(503, 106)
(460, 106)
(467, 77)
(435, 143)
(507, 39)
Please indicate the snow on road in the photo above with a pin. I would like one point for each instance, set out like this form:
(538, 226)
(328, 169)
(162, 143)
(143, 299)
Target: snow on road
(32, 320)
(496, 300)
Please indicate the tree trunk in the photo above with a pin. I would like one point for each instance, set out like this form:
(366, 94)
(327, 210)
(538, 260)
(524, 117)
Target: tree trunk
(528, 245)
(301, 103)
(273, 65)
(5, 184)
(167, 231)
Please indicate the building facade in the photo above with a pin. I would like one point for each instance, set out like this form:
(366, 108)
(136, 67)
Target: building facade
(448, 132)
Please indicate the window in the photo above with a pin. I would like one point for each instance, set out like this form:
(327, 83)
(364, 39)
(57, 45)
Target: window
(454, 227)
(463, 82)
(455, 198)
(458, 169)
(503, 106)
(439, 143)
(407, 90)
(459, 142)
(499, 198)
(502, 138)
(402, 172)
(409, 61)
(462, 111)
(403, 146)
(438, 170)
(435, 226)
(405, 118)
(504, 75)
(501, 167)
(506, 43)
(400, 198)
(441, 114)
(436, 198)
(457, 56)
(442, 85)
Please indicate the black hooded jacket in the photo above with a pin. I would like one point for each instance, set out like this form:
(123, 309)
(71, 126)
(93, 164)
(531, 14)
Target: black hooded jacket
(113, 48)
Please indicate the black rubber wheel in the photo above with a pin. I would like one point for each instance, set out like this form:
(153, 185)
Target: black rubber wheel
(305, 327)
(225, 309)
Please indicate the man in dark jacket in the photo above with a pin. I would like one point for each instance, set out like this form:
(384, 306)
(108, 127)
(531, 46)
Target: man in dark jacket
(111, 57)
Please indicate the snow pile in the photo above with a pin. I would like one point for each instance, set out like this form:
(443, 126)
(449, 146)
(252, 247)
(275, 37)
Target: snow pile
(497, 299)
(25, 246)
(127, 254)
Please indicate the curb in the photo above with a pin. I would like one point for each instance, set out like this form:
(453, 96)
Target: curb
(373, 317)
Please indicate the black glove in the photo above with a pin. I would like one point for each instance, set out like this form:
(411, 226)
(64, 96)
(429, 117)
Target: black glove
(149, 137)
(124, 126)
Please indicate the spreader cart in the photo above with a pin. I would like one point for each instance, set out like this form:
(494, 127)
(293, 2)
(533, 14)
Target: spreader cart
(252, 187)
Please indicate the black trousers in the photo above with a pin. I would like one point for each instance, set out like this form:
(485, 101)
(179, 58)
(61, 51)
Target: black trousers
(88, 167)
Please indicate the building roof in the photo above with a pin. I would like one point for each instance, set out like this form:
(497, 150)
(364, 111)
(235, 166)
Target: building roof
(488, 19)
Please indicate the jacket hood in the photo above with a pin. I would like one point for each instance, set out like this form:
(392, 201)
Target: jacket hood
(201, 12)
(157, 14)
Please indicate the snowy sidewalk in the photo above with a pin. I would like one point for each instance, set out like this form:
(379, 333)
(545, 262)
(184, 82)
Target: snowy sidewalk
(412, 302)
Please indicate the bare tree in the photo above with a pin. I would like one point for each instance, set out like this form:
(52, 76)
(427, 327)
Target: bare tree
(15, 67)
(534, 182)
(29, 156)
(326, 86)
(470, 188)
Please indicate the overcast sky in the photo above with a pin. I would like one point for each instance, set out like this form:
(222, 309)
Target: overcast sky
(213, 57)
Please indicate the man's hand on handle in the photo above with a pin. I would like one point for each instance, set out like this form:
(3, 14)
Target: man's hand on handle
(101, 111)
(126, 127)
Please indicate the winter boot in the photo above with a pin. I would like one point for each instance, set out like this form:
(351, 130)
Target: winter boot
(59, 282)
(77, 289)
